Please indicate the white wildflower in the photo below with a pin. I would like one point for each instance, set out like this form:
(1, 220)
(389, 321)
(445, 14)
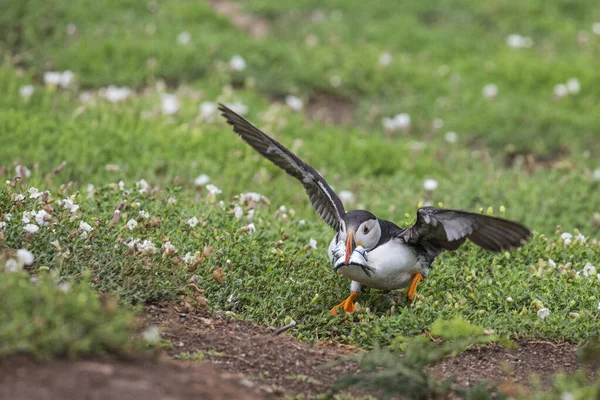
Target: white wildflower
(132, 224)
(552, 263)
(26, 91)
(8, 216)
(430, 184)
(402, 121)
(599, 301)
(517, 41)
(208, 111)
(116, 94)
(22, 171)
(147, 248)
(188, 258)
(347, 197)
(567, 396)
(169, 104)
(573, 86)
(312, 243)
(20, 197)
(561, 90)
(34, 193)
(151, 334)
(84, 226)
(589, 270)
(451, 137)
(580, 238)
(192, 222)
(11, 265)
(250, 228)
(25, 256)
(213, 189)
(2, 225)
(52, 78)
(40, 218)
(238, 212)
(168, 248)
(184, 38)
(238, 107)
(28, 216)
(566, 237)
(509, 299)
(142, 186)
(335, 81)
(201, 180)
(596, 28)
(144, 214)
(596, 174)
(490, 91)
(69, 205)
(294, 103)
(31, 228)
(543, 313)
(66, 78)
(121, 185)
(385, 59)
(237, 63)
(246, 198)
(71, 29)
(64, 287)
(399, 122)
(250, 215)
(91, 189)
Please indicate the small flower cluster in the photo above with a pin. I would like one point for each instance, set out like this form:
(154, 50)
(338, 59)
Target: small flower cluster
(22, 257)
(516, 41)
(400, 122)
(62, 79)
(572, 87)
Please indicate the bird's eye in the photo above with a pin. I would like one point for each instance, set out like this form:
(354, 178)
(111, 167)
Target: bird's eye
(366, 230)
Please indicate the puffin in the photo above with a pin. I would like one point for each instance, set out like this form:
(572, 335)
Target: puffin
(374, 252)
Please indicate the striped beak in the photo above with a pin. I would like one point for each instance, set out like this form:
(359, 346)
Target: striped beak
(350, 246)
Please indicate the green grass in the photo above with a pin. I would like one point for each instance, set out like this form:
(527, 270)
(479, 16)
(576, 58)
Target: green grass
(44, 318)
(443, 55)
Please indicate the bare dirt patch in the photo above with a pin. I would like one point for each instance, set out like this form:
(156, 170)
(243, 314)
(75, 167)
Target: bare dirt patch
(22, 378)
(282, 364)
(279, 364)
(498, 364)
(256, 26)
(330, 109)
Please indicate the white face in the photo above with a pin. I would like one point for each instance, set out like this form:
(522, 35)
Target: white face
(367, 235)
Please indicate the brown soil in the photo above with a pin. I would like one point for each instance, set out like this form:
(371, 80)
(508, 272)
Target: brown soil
(257, 27)
(330, 109)
(278, 363)
(246, 361)
(497, 364)
(22, 378)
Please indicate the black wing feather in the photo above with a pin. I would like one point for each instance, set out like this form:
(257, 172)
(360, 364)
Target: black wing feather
(323, 198)
(439, 229)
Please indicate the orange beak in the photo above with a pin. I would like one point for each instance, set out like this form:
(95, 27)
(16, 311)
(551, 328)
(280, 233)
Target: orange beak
(350, 246)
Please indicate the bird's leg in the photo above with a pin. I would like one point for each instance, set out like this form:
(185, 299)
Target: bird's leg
(412, 290)
(347, 305)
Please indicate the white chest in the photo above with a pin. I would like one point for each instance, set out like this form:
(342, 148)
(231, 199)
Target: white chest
(394, 264)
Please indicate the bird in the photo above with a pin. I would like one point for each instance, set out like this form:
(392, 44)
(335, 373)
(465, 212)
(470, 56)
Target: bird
(374, 252)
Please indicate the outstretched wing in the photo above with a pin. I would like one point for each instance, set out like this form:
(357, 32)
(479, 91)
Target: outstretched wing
(323, 198)
(442, 229)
